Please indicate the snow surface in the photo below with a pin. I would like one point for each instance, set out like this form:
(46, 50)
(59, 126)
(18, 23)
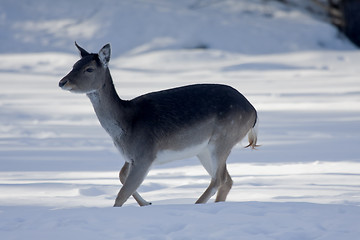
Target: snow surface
(59, 169)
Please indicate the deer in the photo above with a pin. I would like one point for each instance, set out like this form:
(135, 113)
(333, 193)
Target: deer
(202, 120)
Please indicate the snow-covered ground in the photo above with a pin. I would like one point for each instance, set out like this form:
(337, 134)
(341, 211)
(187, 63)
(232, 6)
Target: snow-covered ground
(59, 169)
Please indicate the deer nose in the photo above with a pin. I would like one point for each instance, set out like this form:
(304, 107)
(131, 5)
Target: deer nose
(62, 82)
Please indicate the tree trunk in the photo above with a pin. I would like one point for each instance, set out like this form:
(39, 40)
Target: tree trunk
(351, 10)
(345, 14)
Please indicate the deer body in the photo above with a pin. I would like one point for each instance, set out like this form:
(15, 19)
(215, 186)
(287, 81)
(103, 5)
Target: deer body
(203, 120)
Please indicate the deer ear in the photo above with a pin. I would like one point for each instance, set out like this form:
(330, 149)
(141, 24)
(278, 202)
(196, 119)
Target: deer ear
(104, 55)
(82, 51)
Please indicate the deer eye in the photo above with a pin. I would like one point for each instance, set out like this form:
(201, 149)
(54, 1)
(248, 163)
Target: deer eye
(89, 70)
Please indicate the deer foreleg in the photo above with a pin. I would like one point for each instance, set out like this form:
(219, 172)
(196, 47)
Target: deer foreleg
(122, 176)
(135, 176)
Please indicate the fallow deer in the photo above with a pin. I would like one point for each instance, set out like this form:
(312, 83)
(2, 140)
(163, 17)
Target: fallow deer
(203, 120)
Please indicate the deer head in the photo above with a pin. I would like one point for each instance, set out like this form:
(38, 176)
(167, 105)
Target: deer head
(89, 73)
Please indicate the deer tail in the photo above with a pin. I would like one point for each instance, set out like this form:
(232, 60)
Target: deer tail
(252, 135)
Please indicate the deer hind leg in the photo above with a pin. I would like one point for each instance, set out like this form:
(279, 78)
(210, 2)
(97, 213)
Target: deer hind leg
(209, 164)
(209, 192)
(123, 174)
(215, 165)
(213, 158)
(225, 186)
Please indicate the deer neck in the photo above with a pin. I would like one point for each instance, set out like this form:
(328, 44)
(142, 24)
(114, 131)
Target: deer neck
(109, 108)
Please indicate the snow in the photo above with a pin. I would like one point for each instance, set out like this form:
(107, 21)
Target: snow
(59, 169)
(255, 220)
